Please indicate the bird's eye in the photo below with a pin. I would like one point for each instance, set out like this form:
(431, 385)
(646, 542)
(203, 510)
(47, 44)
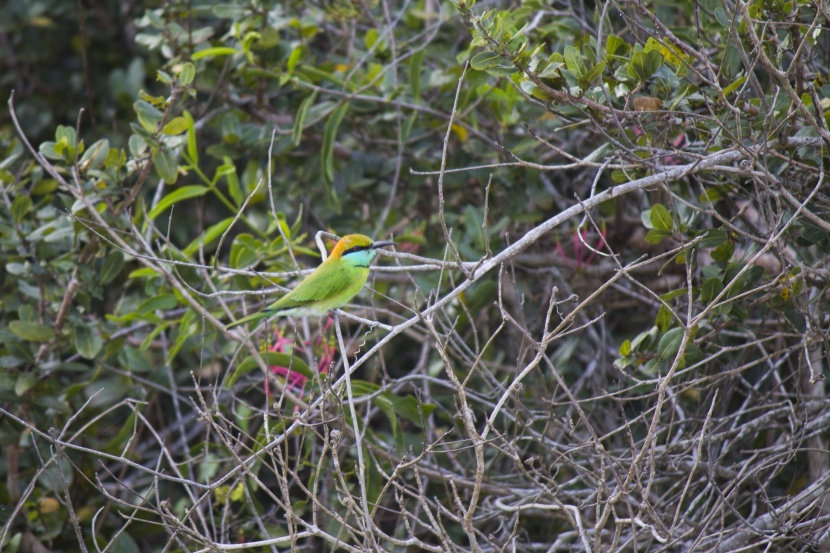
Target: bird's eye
(355, 249)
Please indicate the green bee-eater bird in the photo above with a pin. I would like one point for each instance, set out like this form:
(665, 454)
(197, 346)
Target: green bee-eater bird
(337, 280)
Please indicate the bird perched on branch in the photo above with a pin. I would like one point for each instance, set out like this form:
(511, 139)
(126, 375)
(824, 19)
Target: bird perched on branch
(337, 280)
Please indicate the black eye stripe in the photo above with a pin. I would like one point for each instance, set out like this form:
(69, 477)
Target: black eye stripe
(356, 249)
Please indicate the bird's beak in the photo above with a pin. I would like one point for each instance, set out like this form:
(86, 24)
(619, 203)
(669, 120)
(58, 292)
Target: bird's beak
(376, 245)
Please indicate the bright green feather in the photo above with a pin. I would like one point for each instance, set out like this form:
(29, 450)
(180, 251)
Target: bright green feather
(327, 288)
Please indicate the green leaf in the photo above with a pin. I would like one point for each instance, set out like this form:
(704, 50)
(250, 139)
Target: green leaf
(87, 341)
(502, 70)
(386, 403)
(370, 38)
(165, 163)
(212, 233)
(725, 308)
(668, 296)
(158, 303)
(625, 348)
(31, 331)
(664, 318)
(49, 151)
(111, 267)
(551, 70)
(692, 355)
(661, 218)
(410, 408)
(148, 115)
(623, 362)
(720, 15)
(175, 126)
(116, 443)
(24, 383)
(192, 150)
(670, 343)
(644, 64)
(95, 155)
(811, 233)
(574, 61)
(214, 52)
(137, 145)
(415, 66)
(65, 134)
(164, 77)
(485, 60)
(619, 176)
(714, 193)
(615, 45)
(797, 319)
(187, 73)
(734, 85)
(272, 359)
(294, 58)
(657, 236)
(299, 120)
(329, 138)
(183, 193)
(723, 252)
(714, 238)
(243, 252)
(188, 326)
(20, 208)
(230, 11)
(230, 175)
(739, 312)
(362, 388)
(645, 340)
(710, 289)
(592, 75)
(124, 543)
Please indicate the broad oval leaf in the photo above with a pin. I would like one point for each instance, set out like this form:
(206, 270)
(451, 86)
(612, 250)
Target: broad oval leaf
(661, 218)
(165, 163)
(175, 126)
(24, 383)
(20, 207)
(187, 73)
(670, 343)
(485, 60)
(714, 238)
(710, 289)
(148, 115)
(664, 318)
(31, 331)
(87, 341)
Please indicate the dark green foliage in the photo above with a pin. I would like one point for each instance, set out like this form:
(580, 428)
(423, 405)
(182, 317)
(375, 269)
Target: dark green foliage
(612, 336)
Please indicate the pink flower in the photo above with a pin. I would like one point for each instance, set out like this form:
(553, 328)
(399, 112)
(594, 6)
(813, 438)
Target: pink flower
(323, 348)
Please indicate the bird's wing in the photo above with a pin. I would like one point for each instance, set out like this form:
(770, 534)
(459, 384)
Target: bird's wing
(318, 286)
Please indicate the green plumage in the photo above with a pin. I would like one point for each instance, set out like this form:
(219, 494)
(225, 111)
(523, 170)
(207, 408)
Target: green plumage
(327, 288)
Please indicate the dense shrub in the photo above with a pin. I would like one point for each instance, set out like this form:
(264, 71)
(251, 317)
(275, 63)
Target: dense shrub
(605, 325)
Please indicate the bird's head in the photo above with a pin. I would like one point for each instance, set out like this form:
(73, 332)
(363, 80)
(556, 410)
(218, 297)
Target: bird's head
(357, 250)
